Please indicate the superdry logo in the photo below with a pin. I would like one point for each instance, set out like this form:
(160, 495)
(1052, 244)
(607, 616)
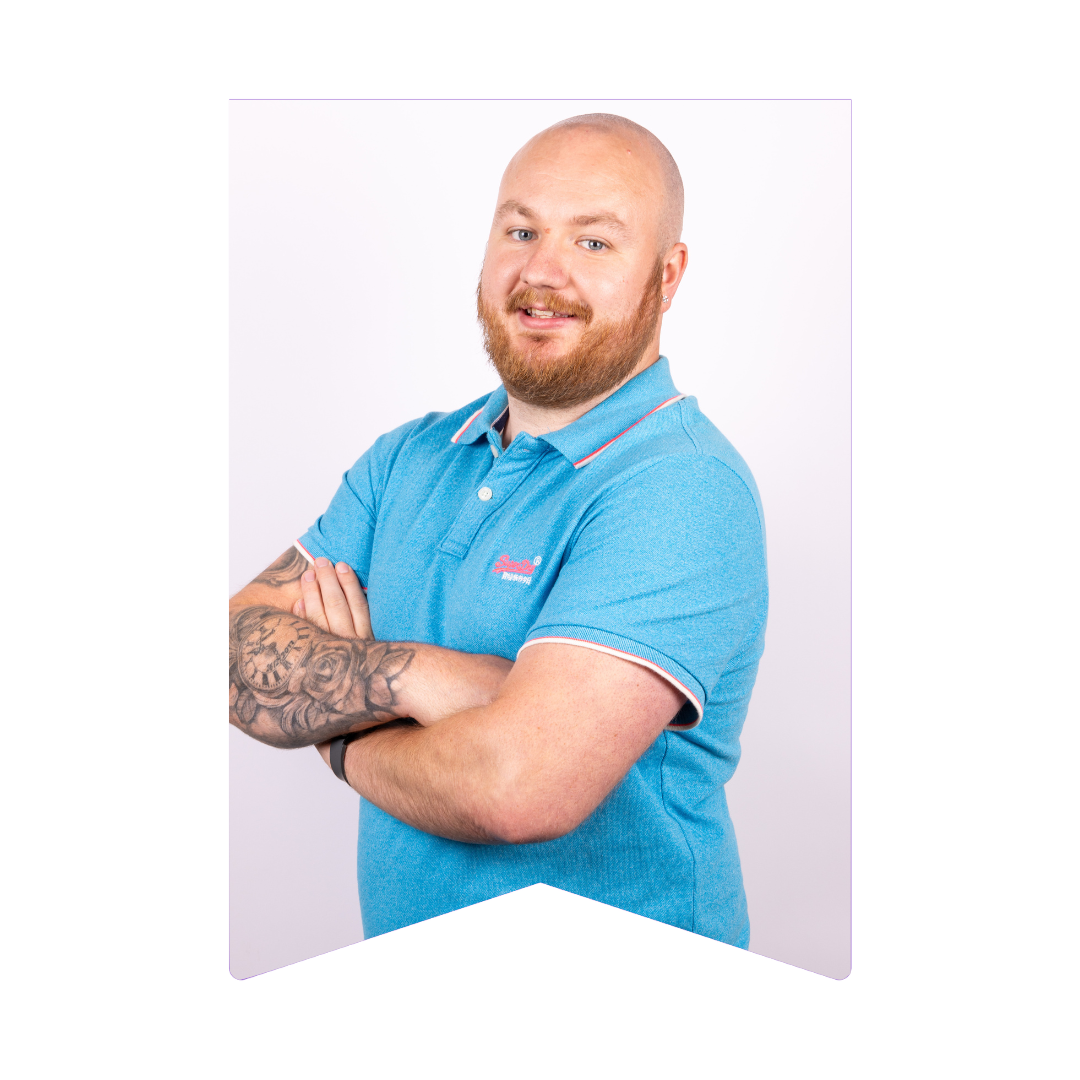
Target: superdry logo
(516, 571)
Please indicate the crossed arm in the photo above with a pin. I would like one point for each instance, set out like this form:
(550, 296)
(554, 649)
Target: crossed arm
(500, 753)
(295, 681)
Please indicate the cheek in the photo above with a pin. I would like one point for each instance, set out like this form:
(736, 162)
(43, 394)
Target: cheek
(613, 297)
(501, 273)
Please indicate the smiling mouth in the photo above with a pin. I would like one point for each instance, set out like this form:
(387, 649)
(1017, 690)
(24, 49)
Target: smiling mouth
(543, 313)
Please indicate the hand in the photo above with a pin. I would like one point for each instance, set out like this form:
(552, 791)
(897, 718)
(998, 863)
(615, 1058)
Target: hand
(447, 682)
(334, 601)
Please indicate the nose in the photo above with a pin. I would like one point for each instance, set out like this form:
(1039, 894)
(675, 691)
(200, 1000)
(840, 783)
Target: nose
(546, 269)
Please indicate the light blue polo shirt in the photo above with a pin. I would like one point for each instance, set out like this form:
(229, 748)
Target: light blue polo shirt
(637, 531)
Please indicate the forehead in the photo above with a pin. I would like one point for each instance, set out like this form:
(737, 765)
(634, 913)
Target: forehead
(583, 171)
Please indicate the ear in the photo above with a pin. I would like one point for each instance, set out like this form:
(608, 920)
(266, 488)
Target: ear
(674, 268)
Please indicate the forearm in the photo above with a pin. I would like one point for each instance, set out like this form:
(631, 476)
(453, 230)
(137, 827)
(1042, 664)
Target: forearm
(443, 780)
(292, 684)
(530, 766)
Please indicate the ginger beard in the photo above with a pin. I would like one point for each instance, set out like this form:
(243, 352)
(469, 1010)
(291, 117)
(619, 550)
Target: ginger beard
(604, 356)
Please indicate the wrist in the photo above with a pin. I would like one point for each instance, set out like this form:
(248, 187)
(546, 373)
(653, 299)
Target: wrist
(350, 759)
(350, 749)
(444, 682)
(380, 678)
(338, 748)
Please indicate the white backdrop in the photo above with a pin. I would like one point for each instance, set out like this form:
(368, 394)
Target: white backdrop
(357, 233)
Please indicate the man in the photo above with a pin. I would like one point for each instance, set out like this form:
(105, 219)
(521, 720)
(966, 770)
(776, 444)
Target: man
(567, 585)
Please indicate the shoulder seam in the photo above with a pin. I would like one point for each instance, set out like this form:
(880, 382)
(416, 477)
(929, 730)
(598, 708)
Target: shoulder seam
(686, 428)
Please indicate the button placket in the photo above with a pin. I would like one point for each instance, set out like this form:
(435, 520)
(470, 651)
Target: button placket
(506, 475)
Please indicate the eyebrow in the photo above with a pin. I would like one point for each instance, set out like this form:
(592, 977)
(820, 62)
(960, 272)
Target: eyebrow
(605, 217)
(511, 206)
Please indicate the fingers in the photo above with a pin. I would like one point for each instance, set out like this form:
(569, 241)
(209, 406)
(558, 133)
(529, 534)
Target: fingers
(338, 614)
(333, 600)
(355, 598)
(311, 599)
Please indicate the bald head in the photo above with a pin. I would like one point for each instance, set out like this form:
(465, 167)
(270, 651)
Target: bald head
(583, 260)
(639, 143)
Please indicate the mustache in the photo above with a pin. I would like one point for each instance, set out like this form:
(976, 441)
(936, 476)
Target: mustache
(527, 297)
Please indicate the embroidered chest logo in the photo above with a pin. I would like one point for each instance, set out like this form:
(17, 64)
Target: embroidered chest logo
(516, 571)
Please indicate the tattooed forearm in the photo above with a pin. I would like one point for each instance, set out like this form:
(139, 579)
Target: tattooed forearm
(291, 684)
(289, 568)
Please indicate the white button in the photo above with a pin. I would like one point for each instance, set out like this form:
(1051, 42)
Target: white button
(484, 493)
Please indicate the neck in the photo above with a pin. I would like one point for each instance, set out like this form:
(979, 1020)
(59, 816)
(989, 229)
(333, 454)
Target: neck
(538, 420)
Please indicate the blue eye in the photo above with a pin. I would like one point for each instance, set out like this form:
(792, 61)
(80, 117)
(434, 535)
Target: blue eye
(522, 234)
(594, 245)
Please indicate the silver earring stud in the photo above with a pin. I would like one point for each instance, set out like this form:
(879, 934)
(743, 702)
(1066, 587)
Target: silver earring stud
(663, 299)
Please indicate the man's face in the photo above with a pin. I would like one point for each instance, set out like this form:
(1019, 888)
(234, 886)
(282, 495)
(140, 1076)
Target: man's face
(569, 295)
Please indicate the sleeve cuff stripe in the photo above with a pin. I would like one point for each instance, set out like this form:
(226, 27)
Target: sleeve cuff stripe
(666, 675)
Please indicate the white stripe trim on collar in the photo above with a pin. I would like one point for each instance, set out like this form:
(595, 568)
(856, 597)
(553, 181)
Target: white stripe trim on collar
(663, 405)
(464, 427)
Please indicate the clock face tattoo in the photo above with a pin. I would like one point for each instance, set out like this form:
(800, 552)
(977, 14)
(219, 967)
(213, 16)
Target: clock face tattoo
(269, 655)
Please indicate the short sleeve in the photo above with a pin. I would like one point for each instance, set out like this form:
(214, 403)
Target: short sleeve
(668, 570)
(346, 531)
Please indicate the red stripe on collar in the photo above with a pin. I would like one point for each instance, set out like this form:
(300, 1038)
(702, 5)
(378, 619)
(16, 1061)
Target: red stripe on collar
(663, 405)
(464, 427)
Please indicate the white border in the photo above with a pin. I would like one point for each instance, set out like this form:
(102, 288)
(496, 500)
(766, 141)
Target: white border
(964, 748)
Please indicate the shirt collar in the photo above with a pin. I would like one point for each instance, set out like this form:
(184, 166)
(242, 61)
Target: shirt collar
(490, 416)
(588, 436)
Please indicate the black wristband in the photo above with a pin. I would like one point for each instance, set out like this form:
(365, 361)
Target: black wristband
(337, 753)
